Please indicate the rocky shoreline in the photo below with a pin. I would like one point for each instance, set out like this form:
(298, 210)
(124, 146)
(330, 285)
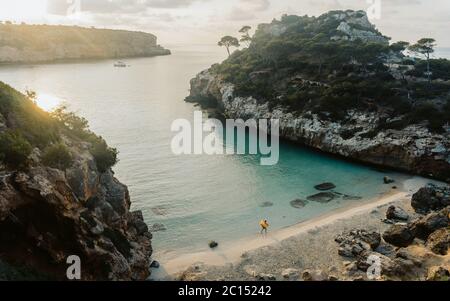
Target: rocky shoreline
(47, 215)
(413, 149)
(409, 238)
(63, 200)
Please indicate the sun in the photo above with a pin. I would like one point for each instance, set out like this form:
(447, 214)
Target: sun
(23, 10)
(48, 102)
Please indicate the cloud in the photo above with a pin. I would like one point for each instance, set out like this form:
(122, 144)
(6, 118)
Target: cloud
(61, 7)
(248, 9)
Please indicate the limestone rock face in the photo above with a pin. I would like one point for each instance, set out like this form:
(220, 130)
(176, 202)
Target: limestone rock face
(412, 149)
(46, 215)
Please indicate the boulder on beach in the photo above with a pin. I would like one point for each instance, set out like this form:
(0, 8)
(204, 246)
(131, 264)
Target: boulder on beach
(439, 241)
(397, 213)
(398, 235)
(353, 243)
(426, 225)
(437, 273)
(290, 274)
(316, 275)
(325, 186)
(389, 267)
(431, 197)
(298, 203)
(322, 197)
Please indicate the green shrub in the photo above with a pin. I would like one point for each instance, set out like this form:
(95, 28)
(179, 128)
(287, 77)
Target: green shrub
(436, 118)
(14, 149)
(105, 156)
(57, 156)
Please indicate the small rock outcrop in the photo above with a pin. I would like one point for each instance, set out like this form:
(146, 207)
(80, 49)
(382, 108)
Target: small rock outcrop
(426, 225)
(431, 197)
(397, 213)
(439, 241)
(353, 243)
(399, 235)
(438, 273)
(315, 275)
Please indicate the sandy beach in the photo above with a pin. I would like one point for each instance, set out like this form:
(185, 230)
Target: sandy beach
(306, 245)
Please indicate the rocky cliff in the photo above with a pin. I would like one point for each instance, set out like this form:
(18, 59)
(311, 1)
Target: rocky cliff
(50, 213)
(365, 131)
(414, 148)
(45, 43)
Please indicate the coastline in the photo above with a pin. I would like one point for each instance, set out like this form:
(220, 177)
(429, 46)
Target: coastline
(80, 60)
(230, 256)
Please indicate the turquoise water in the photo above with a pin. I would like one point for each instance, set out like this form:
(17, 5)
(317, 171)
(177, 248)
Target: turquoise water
(197, 198)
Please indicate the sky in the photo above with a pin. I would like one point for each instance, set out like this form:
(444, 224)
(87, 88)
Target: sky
(181, 22)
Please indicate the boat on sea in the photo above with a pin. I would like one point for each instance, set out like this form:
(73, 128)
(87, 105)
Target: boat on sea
(120, 64)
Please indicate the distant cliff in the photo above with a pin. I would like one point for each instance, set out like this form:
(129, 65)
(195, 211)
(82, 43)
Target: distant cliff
(46, 43)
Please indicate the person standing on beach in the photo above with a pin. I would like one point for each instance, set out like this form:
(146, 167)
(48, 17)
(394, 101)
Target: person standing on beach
(264, 225)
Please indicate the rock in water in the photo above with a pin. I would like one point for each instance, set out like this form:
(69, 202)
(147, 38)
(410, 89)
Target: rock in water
(439, 241)
(266, 204)
(388, 180)
(397, 213)
(158, 227)
(399, 236)
(298, 203)
(325, 186)
(155, 264)
(213, 244)
(322, 197)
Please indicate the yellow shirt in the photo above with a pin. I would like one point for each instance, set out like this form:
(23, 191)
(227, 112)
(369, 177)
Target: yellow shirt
(264, 224)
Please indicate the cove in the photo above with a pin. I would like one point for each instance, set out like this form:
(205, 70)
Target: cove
(189, 200)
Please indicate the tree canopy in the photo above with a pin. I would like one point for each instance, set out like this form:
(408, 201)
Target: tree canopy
(228, 42)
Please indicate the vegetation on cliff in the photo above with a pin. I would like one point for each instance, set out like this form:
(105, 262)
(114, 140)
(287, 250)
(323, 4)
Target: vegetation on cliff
(42, 43)
(59, 197)
(24, 126)
(339, 62)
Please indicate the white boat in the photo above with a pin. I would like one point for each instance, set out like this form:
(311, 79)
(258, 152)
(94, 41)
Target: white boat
(120, 64)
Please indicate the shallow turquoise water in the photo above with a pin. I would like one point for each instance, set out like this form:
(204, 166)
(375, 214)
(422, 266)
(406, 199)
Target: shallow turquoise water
(197, 198)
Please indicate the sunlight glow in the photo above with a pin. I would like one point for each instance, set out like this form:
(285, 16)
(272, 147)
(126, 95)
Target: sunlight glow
(48, 102)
